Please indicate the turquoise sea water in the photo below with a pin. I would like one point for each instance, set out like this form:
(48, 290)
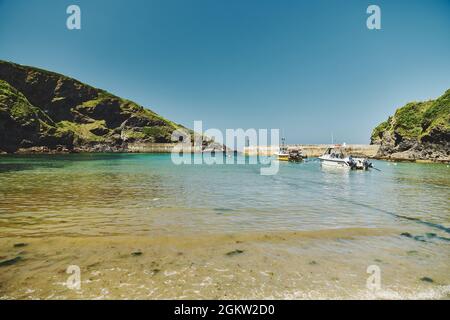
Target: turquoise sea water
(350, 216)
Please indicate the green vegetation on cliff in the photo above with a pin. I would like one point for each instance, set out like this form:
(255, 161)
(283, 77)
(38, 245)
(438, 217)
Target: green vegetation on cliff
(417, 119)
(421, 128)
(42, 108)
(14, 103)
(438, 115)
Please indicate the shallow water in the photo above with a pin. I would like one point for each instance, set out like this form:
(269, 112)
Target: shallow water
(221, 231)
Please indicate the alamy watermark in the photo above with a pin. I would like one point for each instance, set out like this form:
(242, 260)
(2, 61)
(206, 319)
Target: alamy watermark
(73, 21)
(213, 147)
(73, 282)
(373, 283)
(373, 22)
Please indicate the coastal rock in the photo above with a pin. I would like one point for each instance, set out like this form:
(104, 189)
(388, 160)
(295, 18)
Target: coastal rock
(406, 234)
(234, 252)
(427, 279)
(42, 111)
(20, 245)
(10, 262)
(417, 131)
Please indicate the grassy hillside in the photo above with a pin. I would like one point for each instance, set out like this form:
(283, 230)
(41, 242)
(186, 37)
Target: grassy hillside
(42, 108)
(419, 130)
(417, 120)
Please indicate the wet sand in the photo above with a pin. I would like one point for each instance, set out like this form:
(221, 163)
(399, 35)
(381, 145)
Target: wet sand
(325, 264)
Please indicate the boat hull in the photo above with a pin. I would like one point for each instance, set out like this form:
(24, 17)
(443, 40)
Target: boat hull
(283, 158)
(335, 157)
(343, 164)
(334, 163)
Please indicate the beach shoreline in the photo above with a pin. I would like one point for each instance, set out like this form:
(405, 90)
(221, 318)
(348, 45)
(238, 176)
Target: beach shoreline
(289, 265)
(311, 151)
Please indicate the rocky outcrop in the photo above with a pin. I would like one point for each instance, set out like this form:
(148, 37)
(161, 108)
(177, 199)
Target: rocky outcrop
(417, 131)
(42, 111)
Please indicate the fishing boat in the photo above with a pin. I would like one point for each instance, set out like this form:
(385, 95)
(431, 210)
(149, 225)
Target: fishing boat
(282, 154)
(296, 154)
(292, 154)
(335, 156)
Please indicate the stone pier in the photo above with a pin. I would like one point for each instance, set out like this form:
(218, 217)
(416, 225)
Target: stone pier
(316, 150)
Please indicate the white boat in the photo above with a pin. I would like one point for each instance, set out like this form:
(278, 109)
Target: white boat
(335, 157)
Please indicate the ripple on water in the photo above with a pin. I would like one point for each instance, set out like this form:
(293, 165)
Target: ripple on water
(82, 209)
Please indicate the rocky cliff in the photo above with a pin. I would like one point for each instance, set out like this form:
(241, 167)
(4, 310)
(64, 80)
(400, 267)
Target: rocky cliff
(417, 131)
(46, 111)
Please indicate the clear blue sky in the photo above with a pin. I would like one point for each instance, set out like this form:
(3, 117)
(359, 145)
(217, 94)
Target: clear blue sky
(308, 67)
